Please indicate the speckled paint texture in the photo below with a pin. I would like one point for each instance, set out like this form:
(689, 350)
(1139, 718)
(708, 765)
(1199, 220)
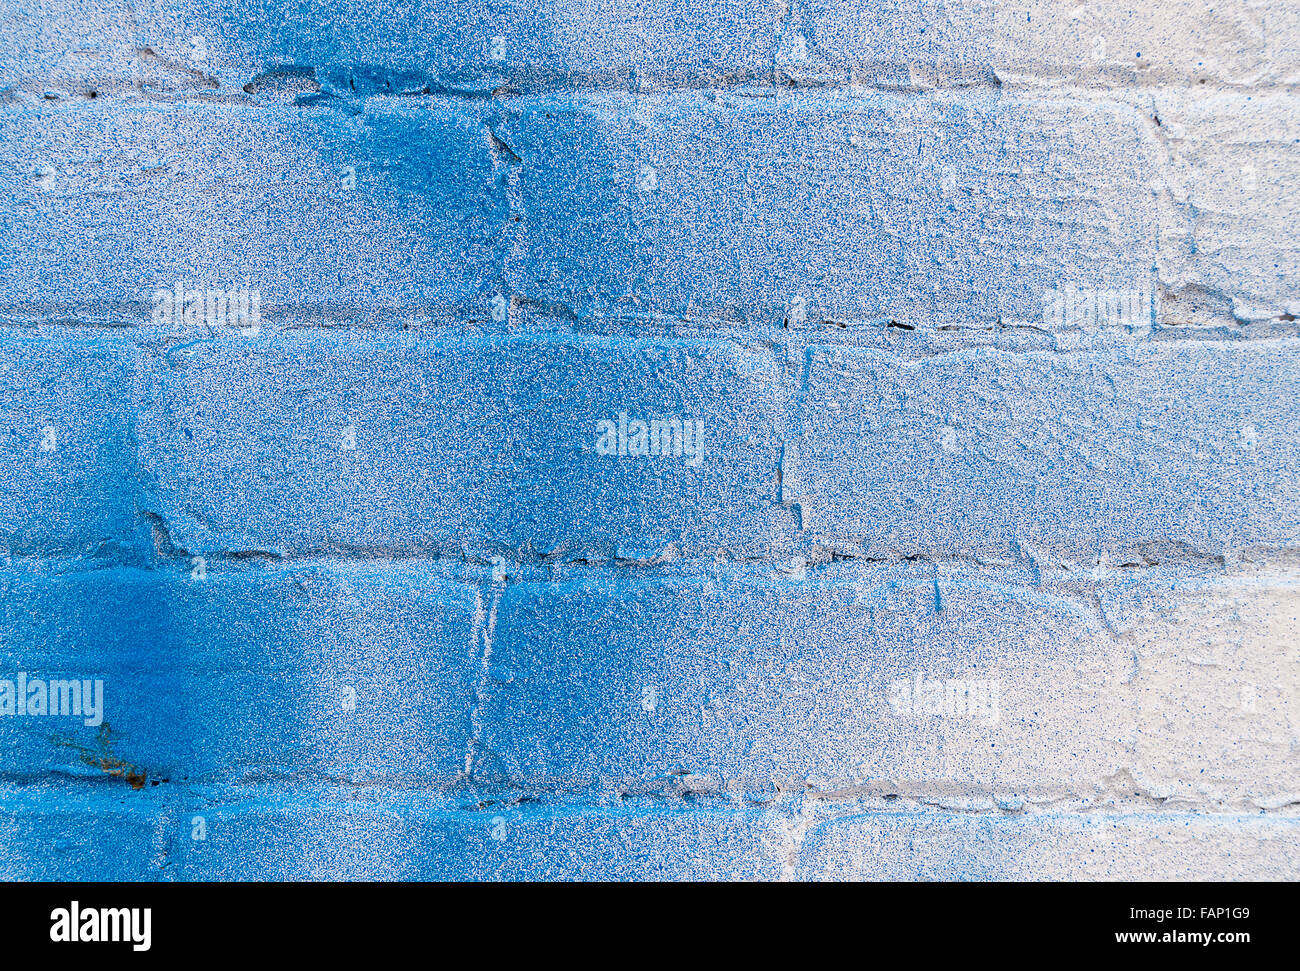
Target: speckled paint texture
(825, 439)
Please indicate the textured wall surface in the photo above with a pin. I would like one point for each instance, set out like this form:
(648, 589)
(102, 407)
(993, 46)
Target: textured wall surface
(683, 439)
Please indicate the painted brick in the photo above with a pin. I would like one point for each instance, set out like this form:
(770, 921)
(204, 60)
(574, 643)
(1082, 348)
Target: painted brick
(74, 48)
(48, 833)
(67, 454)
(1234, 178)
(720, 684)
(1028, 847)
(1112, 45)
(1092, 687)
(461, 445)
(1218, 701)
(350, 671)
(405, 839)
(298, 834)
(810, 207)
(112, 204)
(1123, 454)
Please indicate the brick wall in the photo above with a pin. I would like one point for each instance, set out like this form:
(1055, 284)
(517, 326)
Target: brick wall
(712, 439)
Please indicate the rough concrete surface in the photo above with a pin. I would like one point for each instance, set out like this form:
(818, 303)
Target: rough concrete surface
(605, 439)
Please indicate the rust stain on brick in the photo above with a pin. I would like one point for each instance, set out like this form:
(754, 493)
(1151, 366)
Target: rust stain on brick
(102, 757)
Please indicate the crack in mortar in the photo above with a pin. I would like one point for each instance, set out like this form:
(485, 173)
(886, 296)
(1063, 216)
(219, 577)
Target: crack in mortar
(484, 631)
(512, 240)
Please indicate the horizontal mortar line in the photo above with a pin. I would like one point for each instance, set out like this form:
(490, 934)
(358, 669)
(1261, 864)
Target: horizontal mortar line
(1010, 84)
(1013, 338)
(125, 316)
(814, 557)
(447, 799)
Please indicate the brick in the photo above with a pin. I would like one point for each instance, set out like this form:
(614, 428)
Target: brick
(48, 833)
(1127, 453)
(313, 441)
(370, 602)
(455, 45)
(938, 209)
(347, 671)
(330, 835)
(752, 682)
(1131, 847)
(67, 454)
(1233, 177)
(1110, 45)
(803, 208)
(1216, 694)
(724, 684)
(113, 203)
(406, 838)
